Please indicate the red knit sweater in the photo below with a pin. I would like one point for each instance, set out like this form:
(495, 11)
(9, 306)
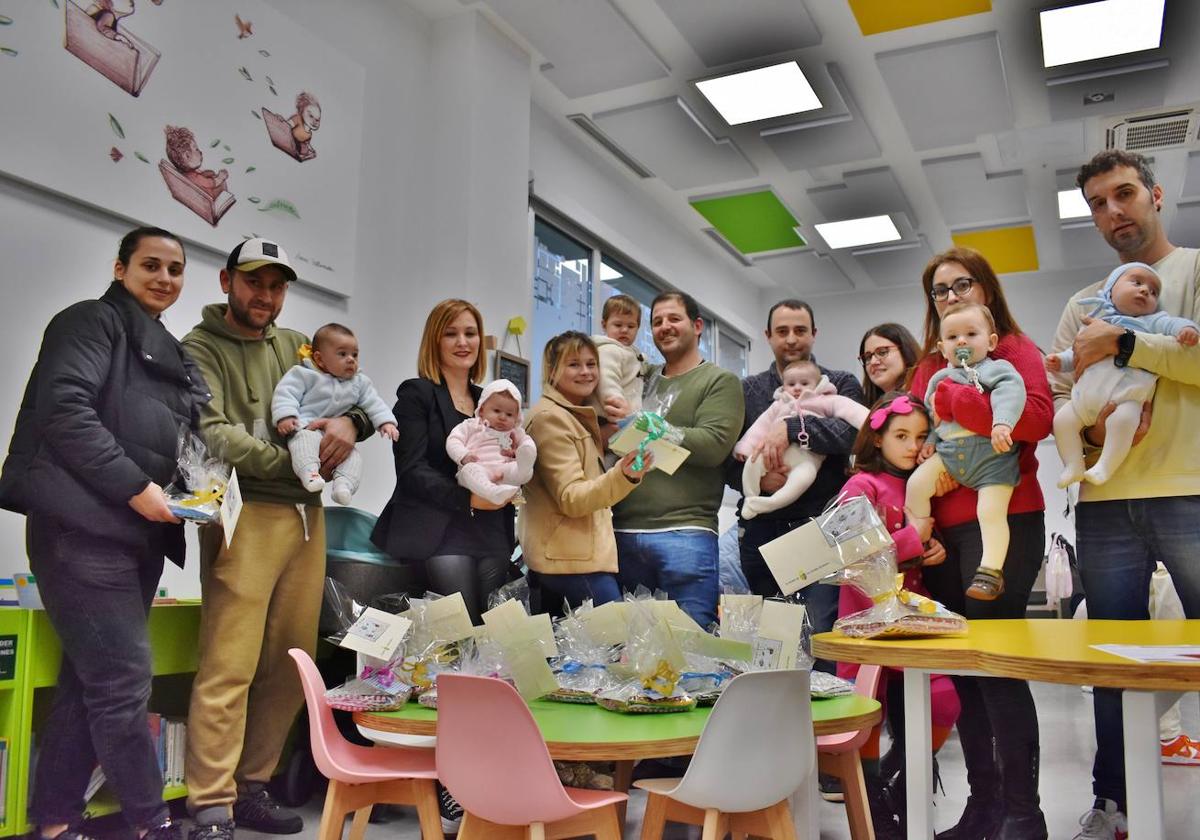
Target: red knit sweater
(973, 410)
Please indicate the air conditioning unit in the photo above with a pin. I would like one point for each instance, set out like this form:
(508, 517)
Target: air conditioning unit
(1176, 128)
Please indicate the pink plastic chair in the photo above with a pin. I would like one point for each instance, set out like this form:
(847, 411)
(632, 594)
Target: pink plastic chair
(360, 777)
(493, 760)
(837, 755)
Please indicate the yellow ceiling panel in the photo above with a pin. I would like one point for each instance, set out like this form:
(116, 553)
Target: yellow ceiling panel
(875, 16)
(1007, 249)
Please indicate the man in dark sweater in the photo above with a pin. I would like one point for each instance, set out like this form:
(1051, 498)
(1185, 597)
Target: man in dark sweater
(791, 333)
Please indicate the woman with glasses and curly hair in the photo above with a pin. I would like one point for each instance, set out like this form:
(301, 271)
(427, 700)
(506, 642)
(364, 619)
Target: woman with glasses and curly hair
(1003, 803)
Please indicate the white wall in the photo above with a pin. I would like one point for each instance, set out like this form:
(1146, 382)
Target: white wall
(449, 143)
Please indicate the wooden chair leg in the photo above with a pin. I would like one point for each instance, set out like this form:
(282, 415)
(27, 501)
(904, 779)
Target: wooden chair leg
(358, 827)
(428, 814)
(622, 779)
(608, 824)
(712, 821)
(655, 820)
(779, 820)
(333, 815)
(854, 787)
(537, 831)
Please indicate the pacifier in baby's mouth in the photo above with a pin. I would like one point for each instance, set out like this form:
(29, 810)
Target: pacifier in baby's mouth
(963, 356)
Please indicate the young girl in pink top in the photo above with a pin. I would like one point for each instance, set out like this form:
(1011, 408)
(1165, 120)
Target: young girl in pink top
(885, 453)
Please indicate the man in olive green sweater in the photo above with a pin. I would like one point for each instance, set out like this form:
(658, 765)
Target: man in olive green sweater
(667, 529)
(262, 592)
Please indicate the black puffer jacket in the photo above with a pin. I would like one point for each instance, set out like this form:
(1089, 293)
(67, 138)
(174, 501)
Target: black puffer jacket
(100, 420)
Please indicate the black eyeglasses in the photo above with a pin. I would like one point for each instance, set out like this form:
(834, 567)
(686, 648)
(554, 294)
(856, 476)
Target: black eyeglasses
(879, 353)
(960, 287)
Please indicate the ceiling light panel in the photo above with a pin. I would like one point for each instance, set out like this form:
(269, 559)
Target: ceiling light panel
(854, 233)
(760, 94)
(1072, 204)
(1098, 30)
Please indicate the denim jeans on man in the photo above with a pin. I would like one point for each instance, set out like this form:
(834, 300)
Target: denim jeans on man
(97, 594)
(683, 563)
(1118, 545)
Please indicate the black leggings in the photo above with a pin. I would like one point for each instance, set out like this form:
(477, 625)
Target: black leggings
(474, 577)
(998, 725)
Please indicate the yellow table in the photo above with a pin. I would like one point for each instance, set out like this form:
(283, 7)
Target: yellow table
(1046, 650)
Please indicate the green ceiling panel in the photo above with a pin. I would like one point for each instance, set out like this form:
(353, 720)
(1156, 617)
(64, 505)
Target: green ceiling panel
(752, 222)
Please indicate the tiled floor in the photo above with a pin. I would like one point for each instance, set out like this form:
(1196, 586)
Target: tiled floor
(1067, 745)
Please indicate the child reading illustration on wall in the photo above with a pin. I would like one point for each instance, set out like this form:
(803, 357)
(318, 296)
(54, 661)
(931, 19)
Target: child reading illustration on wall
(293, 134)
(1129, 299)
(203, 191)
(95, 35)
(988, 465)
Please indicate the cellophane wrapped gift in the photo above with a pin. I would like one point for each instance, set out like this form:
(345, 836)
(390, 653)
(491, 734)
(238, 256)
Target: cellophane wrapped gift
(897, 612)
(705, 678)
(480, 657)
(581, 667)
(424, 655)
(200, 481)
(652, 419)
(377, 686)
(655, 662)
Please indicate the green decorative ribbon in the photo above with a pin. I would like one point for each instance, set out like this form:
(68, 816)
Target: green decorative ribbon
(655, 427)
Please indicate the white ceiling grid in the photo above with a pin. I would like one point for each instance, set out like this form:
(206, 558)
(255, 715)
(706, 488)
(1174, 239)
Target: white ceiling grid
(948, 126)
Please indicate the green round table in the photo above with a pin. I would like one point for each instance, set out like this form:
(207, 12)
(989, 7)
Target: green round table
(575, 732)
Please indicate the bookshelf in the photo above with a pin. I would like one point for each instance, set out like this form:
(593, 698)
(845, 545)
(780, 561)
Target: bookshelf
(174, 640)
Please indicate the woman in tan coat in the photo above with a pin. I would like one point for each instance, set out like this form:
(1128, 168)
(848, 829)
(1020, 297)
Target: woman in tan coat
(565, 528)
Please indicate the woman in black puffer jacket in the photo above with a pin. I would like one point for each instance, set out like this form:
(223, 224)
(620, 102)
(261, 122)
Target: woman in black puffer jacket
(94, 445)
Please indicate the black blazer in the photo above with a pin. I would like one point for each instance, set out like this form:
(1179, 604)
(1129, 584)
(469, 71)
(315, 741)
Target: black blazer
(427, 495)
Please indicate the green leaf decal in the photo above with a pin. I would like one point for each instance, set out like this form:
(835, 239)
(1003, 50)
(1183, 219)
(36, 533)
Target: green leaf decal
(227, 161)
(141, 157)
(116, 126)
(282, 205)
(254, 199)
(250, 169)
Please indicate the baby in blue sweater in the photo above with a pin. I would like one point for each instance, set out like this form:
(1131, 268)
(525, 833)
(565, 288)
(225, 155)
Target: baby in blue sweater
(328, 384)
(986, 464)
(1129, 299)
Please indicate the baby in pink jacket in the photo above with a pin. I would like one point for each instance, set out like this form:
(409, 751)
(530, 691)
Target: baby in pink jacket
(805, 391)
(494, 455)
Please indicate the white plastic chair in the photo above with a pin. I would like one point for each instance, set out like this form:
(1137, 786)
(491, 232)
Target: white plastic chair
(754, 752)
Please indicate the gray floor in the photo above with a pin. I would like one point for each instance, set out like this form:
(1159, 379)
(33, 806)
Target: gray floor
(1067, 744)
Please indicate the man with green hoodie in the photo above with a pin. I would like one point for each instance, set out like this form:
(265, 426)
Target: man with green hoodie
(262, 592)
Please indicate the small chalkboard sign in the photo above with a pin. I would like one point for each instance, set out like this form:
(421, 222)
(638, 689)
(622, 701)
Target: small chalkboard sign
(515, 370)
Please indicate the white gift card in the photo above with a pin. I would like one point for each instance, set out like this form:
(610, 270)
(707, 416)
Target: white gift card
(667, 456)
(800, 557)
(376, 633)
(779, 634)
(447, 619)
(231, 507)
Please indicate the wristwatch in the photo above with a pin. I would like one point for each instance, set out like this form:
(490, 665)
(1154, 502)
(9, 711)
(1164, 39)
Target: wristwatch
(1125, 344)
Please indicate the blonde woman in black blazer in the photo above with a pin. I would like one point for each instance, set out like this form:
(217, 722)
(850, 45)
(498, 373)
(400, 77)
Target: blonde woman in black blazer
(464, 541)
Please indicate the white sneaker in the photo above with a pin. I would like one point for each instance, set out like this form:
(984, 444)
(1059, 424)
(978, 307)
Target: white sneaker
(1106, 824)
(342, 494)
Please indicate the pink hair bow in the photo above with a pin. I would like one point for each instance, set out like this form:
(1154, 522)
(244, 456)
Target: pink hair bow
(900, 405)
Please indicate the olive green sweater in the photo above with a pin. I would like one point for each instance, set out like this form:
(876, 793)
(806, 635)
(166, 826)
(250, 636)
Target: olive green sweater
(236, 424)
(708, 409)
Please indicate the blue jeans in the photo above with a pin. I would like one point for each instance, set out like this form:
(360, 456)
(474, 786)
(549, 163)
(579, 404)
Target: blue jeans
(684, 564)
(601, 587)
(1118, 544)
(97, 595)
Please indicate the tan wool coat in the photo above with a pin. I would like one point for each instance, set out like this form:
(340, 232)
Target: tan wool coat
(565, 526)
